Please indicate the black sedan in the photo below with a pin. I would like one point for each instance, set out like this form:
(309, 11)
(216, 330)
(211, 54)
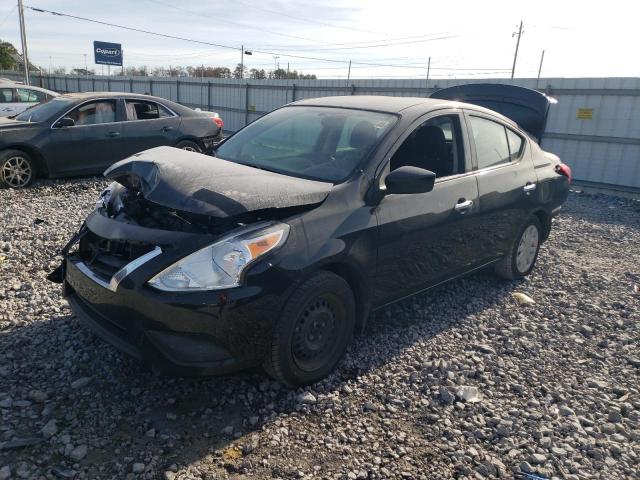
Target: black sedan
(311, 217)
(84, 133)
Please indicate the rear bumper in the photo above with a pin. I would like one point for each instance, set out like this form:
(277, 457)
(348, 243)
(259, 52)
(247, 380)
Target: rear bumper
(207, 333)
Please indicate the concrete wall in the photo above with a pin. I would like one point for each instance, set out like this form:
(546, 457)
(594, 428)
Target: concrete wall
(594, 127)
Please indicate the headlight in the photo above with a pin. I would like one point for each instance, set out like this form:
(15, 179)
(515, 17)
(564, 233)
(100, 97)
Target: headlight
(221, 265)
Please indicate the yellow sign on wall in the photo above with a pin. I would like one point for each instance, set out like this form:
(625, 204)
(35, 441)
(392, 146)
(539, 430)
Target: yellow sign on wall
(585, 114)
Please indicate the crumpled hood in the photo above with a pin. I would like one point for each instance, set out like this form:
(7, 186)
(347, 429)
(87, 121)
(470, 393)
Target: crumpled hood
(196, 183)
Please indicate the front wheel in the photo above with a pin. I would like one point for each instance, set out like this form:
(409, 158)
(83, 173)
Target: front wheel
(17, 170)
(313, 331)
(521, 257)
(189, 146)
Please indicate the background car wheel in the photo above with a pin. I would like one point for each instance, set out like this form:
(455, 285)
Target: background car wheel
(17, 170)
(313, 332)
(189, 146)
(522, 255)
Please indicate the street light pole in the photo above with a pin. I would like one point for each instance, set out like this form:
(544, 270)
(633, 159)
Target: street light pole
(428, 70)
(515, 56)
(23, 38)
(540, 68)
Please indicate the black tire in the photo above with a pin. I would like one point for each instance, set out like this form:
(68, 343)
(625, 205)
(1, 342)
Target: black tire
(17, 169)
(314, 330)
(509, 267)
(189, 145)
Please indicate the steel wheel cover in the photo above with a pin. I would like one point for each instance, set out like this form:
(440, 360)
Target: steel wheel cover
(527, 248)
(16, 171)
(316, 331)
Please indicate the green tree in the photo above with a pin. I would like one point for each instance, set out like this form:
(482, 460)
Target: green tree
(8, 55)
(240, 71)
(256, 74)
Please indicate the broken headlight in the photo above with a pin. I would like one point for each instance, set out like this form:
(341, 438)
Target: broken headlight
(221, 265)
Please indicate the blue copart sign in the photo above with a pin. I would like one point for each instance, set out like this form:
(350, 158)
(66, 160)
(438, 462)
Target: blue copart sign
(106, 53)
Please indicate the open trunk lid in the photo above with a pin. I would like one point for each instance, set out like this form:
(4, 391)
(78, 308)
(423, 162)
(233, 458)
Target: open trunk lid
(527, 107)
(200, 184)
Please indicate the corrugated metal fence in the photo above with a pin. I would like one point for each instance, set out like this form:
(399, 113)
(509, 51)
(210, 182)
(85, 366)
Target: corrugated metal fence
(594, 127)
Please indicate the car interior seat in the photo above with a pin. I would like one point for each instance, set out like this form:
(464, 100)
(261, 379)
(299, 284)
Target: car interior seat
(363, 135)
(425, 148)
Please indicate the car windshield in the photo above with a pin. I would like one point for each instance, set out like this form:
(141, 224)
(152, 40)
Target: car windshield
(44, 111)
(318, 143)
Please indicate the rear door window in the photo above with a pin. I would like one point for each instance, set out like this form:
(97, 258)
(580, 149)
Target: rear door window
(144, 110)
(26, 95)
(516, 144)
(490, 139)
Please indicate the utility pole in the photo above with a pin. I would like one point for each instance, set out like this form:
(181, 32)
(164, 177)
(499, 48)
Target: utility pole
(349, 73)
(287, 70)
(242, 61)
(275, 63)
(23, 37)
(515, 56)
(428, 69)
(86, 68)
(540, 68)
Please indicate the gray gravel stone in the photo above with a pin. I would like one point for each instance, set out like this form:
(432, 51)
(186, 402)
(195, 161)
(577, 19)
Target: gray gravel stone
(557, 398)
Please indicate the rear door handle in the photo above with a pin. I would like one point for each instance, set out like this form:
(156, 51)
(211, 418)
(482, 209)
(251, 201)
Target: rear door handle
(529, 187)
(113, 134)
(463, 205)
(166, 129)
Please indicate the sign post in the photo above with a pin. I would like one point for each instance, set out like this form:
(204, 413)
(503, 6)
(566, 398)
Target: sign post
(106, 53)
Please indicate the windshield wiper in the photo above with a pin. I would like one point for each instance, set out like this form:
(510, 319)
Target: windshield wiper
(260, 167)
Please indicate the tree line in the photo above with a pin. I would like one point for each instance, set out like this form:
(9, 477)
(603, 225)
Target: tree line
(9, 61)
(199, 72)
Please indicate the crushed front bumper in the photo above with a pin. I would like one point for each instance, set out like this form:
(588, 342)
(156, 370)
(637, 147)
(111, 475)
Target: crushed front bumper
(195, 333)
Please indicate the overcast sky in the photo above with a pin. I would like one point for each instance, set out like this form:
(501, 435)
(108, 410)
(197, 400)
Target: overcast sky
(465, 39)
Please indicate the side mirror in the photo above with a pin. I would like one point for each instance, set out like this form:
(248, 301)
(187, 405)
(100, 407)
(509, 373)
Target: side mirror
(65, 122)
(410, 180)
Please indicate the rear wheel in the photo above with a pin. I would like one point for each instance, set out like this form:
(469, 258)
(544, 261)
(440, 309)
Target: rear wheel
(522, 255)
(17, 170)
(313, 332)
(189, 146)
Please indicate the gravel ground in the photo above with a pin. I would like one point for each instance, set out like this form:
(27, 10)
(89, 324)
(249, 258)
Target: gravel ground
(461, 382)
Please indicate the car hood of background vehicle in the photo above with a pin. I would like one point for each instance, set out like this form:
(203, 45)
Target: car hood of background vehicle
(196, 183)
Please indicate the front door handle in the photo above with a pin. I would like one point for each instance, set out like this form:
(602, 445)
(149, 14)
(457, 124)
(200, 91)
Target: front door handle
(113, 134)
(166, 129)
(529, 187)
(463, 205)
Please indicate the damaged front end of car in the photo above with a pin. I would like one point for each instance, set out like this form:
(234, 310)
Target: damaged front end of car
(158, 268)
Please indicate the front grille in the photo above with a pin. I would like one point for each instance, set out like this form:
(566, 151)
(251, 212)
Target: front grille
(105, 257)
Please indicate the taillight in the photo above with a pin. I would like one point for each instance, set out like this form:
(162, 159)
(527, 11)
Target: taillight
(564, 169)
(218, 121)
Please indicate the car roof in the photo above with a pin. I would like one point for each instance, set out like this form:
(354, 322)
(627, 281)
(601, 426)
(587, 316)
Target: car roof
(395, 105)
(89, 95)
(10, 84)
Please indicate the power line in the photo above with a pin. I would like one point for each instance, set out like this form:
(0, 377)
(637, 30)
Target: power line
(8, 15)
(241, 25)
(318, 22)
(229, 47)
(350, 45)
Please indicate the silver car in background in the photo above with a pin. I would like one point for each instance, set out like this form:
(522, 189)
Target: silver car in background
(15, 98)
